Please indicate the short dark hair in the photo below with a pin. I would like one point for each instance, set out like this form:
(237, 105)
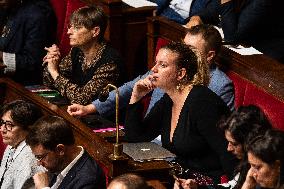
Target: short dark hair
(49, 131)
(23, 113)
(245, 122)
(132, 181)
(196, 69)
(90, 17)
(210, 34)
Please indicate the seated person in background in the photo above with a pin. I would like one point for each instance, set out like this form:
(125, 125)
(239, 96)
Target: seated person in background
(187, 114)
(91, 63)
(250, 22)
(53, 143)
(26, 27)
(265, 156)
(181, 10)
(18, 164)
(246, 122)
(128, 181)
(204, 38)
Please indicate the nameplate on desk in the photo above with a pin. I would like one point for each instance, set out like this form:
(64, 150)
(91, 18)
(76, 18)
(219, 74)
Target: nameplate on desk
(147, 151)
(109, 129)
(51, 95)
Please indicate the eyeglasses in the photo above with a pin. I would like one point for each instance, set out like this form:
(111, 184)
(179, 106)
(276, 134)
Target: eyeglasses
(8, 125)
(41, 157)
(74, 28)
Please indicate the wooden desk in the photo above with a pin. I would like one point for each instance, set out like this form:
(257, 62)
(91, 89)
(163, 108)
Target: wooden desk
(127, 28)
(99, 148)
(261, 70)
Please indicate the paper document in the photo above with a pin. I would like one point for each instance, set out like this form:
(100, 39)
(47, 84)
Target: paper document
(239, 49)
(139, 3)
(243, 50)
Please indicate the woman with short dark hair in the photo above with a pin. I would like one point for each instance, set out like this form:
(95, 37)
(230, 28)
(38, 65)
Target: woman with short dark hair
(18, 164)
(91, 63)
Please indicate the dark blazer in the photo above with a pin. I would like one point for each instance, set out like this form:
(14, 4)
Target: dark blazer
(85, 174)
(30, 28)
(259, 23)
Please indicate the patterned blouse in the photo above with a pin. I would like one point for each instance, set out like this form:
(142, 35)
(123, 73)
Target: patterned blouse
(81, 83)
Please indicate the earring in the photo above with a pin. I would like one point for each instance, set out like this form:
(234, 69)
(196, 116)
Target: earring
(178, 87)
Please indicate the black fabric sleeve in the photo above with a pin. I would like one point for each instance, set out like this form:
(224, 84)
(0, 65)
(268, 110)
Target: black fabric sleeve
(210, 14)
(140, 129)
(238, 25)
(211, 112)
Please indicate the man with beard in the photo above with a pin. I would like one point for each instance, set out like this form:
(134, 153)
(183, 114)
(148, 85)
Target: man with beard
(53, 144)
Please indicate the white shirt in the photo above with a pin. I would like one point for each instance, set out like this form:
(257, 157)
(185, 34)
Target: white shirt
(232, 183)
(182, 7)
(65, 171)
(9, 59)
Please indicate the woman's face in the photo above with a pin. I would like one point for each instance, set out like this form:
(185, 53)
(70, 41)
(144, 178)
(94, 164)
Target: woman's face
(266, 175)
(14, 136)
(80, 36)
(233, 146)
(165, 70)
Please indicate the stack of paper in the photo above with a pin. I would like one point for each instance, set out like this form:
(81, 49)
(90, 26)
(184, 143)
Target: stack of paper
(243, 50)
(139, 3)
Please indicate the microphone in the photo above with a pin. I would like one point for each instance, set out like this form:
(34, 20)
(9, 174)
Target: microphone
(118, 147)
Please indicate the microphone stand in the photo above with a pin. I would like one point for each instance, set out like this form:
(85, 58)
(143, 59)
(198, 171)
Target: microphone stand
(118, 147)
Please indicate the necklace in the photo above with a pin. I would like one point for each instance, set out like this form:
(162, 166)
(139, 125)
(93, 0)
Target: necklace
(86, 64)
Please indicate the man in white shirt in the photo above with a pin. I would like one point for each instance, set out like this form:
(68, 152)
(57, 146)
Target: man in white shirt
(53, 144)
(180, 11)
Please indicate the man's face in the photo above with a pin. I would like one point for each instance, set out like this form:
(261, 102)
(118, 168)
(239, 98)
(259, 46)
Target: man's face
(51, 160)
(196, 42)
